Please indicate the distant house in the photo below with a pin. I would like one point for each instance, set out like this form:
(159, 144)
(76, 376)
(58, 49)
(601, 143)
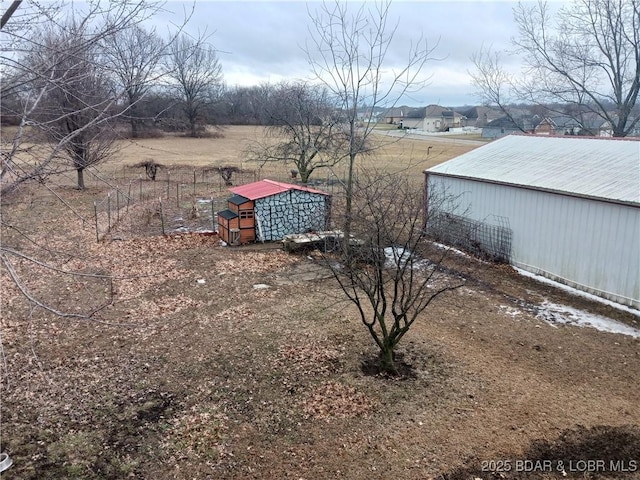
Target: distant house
(564, 207)
(433, 118)
(558, 125)
(586, 124)
(479, 117)
(268, 210)
(593, 124)
(395, 115)
(506, 126)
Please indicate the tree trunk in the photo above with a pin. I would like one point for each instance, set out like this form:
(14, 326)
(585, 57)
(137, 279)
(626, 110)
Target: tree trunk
(387, 363)
(134, 120)
(80, 178)
(304, 176)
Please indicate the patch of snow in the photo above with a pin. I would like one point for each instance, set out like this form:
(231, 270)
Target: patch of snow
(511, 311)
(577, 292)
(201, 281)
(399, 256)
(450, 249)
(554, 313)
(261, 286)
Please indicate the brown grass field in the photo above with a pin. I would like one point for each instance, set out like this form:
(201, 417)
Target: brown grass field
(393, 154)
(186, 371)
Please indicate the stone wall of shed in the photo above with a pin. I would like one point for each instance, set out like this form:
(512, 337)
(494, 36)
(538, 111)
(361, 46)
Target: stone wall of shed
(290, 212)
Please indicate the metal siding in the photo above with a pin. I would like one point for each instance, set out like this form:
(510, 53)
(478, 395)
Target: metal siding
(588, 244)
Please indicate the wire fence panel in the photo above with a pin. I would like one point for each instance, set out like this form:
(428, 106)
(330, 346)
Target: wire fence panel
(178, 200)
(483, 240)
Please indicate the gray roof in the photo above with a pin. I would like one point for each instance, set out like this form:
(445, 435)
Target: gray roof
(238, 200)
(589, 167)
(228, 214)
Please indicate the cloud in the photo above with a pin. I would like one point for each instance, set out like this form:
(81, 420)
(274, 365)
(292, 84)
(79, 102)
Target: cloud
(264, 41)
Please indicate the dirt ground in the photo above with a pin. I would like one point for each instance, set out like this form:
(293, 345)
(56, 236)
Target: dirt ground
(204, 361)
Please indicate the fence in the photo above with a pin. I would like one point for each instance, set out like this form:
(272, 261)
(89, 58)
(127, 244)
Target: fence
(484, 240)
(179, 200)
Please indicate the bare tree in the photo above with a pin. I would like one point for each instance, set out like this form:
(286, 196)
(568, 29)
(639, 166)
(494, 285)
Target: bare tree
(586, 59)
(80, 104)
(495, 85)
(305, 129)
(348, 55)
(133, 55)
(392, 273)
(196, 76)
(62, 103)
(35, 71)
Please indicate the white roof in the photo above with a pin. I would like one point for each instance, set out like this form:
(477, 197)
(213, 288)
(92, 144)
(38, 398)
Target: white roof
(590, 167)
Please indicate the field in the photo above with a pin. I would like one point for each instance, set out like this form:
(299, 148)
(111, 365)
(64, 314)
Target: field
(412, 156)
(204, 361)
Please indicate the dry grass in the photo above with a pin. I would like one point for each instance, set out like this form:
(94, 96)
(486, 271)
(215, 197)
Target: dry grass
(409, 155)
(199, 375)
(175, 152)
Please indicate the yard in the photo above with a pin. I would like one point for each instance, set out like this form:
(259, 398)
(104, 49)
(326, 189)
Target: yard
(212, 362)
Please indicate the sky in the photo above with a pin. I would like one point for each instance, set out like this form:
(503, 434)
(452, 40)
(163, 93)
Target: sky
(264, 41)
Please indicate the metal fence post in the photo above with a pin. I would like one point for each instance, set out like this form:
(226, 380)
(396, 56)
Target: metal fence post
(161, 216)
(109, 212)
(95, 211)
(213, 220)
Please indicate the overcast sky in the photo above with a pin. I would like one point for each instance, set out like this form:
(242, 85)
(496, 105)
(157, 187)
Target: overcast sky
(262, 41)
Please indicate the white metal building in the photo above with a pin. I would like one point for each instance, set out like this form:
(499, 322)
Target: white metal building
(572, 206)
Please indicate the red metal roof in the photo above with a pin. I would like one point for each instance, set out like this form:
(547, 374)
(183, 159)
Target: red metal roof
(266, 188)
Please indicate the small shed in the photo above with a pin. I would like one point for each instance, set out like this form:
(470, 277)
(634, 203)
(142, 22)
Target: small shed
(268, 210)
(567, 208)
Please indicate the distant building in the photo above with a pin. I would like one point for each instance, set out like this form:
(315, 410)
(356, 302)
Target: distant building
(433, 118)
(479, 117)
(504, 126)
